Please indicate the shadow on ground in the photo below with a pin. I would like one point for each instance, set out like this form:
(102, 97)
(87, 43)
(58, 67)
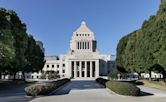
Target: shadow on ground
(13, 93)
(142, 93)
(77, 85)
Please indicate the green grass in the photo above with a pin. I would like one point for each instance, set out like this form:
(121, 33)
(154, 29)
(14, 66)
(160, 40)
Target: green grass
(155, 84)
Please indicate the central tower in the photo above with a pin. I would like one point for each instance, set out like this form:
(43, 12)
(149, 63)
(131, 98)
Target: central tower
(83, 40)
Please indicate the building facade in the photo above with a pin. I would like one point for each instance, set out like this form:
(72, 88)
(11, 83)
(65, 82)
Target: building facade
(83, 59)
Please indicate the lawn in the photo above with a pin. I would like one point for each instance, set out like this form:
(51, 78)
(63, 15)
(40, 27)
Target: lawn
(155, 84)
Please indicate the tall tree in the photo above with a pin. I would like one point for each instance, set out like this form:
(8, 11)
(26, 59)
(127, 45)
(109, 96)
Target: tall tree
(145, 48)
(7, 49)
(18, 50)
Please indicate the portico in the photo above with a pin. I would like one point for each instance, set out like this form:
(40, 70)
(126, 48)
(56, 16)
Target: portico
(84, 68)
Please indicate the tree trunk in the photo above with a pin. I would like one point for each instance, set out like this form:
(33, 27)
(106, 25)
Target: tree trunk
(150, 76)
(23, 74)
(164, 75)
(0, 75)
(14, 76)
(139, 75)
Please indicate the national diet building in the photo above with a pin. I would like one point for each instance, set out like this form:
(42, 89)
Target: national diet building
(83, 59)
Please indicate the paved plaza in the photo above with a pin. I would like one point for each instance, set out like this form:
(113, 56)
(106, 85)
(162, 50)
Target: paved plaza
(90, 91)
(14, 94)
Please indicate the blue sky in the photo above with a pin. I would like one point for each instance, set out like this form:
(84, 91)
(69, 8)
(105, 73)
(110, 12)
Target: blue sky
(54, 21)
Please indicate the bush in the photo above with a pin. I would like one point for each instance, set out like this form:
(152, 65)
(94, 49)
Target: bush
(50, 75)
(113, 74)
(123, 88)
(44, 88)
(101, 81)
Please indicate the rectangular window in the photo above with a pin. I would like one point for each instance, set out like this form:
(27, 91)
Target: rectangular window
(47, 66)
(57, 66)
(52, 66)
(77, 45)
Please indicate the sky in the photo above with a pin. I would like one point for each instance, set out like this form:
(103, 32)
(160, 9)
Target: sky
(54, 21)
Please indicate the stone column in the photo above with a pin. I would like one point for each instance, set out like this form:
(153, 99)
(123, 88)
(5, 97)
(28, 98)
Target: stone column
(83, 45)
(85, 69)
(91, 48)
(80, 68)
(69, 70)
(76, 44)
(97, 68)
(75, 69)
(87, 45)
(90, 68)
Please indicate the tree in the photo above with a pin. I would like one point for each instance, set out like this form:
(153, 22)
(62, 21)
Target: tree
(113, 75)
(34, 57)
(7, 49)
(145, 47)
(18, 50)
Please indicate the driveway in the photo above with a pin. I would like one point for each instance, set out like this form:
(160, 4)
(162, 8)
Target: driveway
(90, 91)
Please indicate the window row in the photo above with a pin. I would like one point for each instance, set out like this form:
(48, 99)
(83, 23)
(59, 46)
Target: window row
(53, 66)
(83, 45)
(82, 34)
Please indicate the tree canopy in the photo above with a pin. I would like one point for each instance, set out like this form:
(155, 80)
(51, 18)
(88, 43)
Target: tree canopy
(18, 50)
(144, 48)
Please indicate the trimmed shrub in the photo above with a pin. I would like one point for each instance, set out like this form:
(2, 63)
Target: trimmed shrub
(101, 81)
(44, 88)
(50, 75)
(123, 88)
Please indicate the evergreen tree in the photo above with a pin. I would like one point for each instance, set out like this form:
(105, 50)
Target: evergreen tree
(18, 50)
(145, 48)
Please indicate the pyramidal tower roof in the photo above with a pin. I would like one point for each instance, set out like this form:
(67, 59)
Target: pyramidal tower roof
(83, 28)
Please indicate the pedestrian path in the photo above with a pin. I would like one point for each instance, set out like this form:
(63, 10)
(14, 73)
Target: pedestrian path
(90, 91)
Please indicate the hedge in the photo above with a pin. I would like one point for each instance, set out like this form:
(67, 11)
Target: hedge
(44, 88)
(123, 88)
(101, 81)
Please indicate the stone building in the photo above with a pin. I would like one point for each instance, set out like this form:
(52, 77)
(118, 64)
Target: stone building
(83, 59)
